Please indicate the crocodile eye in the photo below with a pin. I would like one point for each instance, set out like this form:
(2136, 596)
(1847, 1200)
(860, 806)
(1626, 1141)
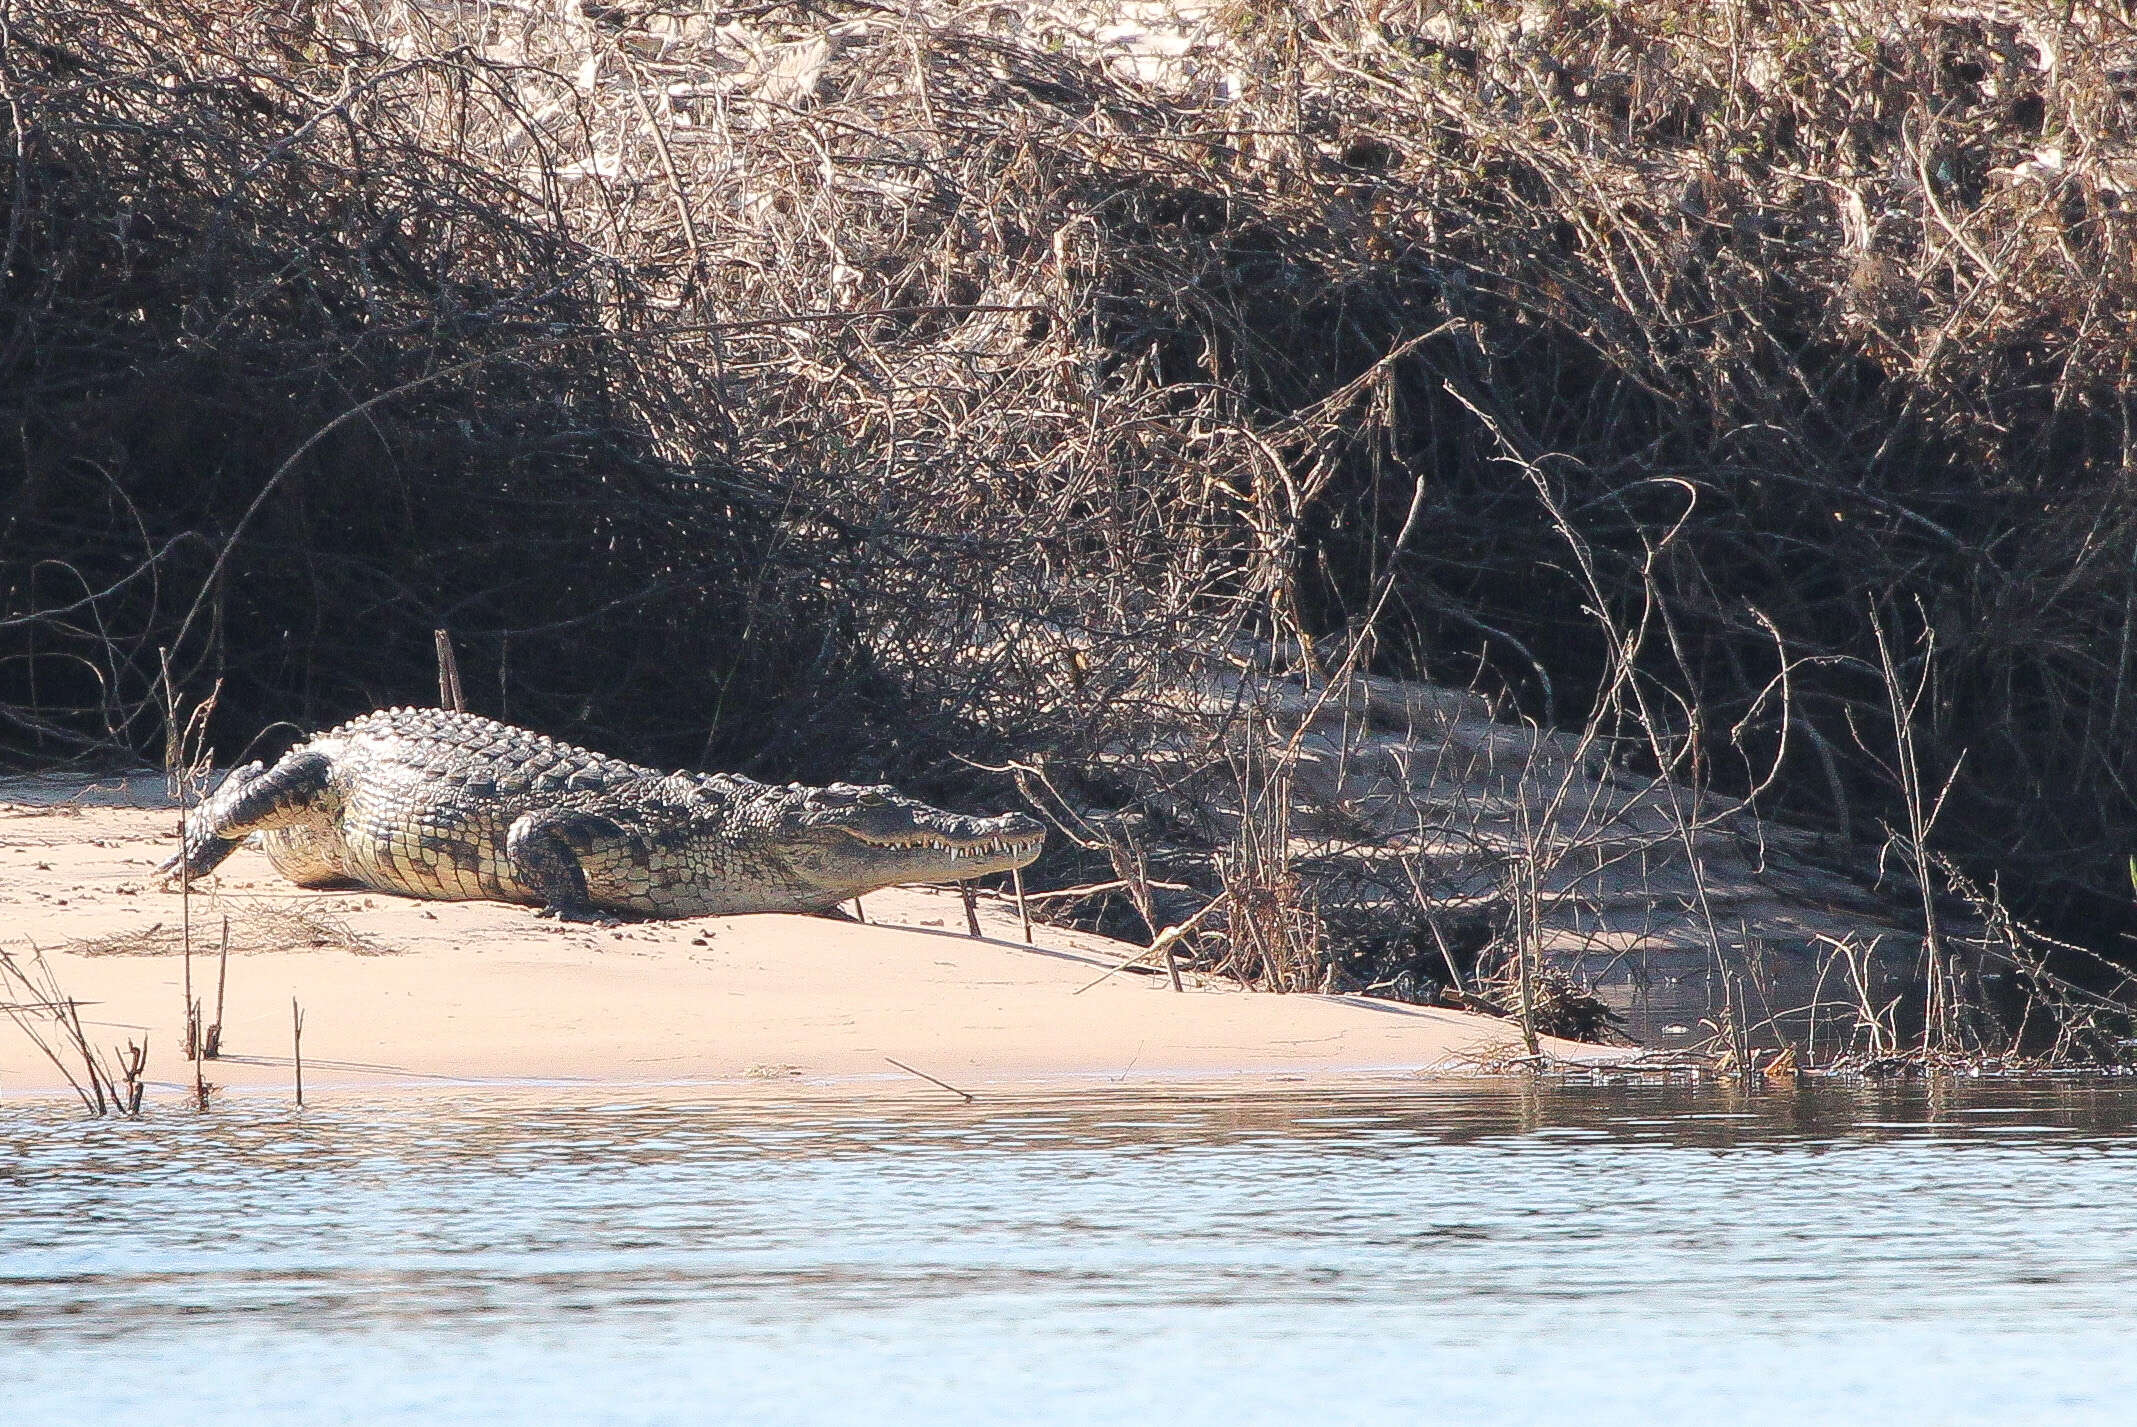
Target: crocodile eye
(874, 797)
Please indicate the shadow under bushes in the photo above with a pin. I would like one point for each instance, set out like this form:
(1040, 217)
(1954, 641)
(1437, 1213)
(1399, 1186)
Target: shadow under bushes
(208, 269)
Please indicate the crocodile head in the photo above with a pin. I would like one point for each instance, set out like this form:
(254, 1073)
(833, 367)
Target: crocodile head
(846, 840)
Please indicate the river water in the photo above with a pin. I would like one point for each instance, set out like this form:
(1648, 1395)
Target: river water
(1453, 1254)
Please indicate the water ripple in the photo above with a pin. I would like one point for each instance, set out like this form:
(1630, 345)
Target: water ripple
(1480, 1254)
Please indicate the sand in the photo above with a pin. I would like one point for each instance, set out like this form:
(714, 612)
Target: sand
(396, 991)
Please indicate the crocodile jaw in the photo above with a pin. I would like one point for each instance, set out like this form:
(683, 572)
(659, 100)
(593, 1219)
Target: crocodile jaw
(925, 854)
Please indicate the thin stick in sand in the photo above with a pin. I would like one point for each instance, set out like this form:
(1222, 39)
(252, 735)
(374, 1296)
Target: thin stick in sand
(296, 1042)
(174, 772)
(132, 1068)
(1016, 880)
(192, 1006)
(449, 695)
(214, 1046)
(930, 1079)
(971, 901)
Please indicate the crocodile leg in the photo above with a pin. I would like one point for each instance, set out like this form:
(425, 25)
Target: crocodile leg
(251, 798)
(539, 847)
(201, 851)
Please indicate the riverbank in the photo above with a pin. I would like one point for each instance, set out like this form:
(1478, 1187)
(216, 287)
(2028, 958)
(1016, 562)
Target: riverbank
(400, 991)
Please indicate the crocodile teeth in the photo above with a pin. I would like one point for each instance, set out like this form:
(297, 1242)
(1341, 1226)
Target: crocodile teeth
(992, 847)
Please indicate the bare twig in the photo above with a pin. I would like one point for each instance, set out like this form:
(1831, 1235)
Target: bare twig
(449, 695)
(963, 1095)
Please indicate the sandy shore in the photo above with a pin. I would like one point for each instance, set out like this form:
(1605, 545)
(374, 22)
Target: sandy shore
(401, 991)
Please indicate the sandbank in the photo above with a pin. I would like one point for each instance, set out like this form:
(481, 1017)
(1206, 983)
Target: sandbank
(396, 991)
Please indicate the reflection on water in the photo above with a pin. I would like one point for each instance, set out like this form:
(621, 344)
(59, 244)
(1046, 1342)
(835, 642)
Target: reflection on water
(1675, 997)
(1493, 1254)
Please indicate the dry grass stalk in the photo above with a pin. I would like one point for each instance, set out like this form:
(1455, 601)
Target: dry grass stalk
(449, 694)
(41, 1010)
(255, 929)
(212, 1042)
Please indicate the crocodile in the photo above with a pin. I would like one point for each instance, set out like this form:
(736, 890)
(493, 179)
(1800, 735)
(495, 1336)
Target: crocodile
(457, 807)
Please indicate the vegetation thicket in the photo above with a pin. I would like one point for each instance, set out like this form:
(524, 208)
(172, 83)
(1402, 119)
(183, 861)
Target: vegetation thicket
(828, 388)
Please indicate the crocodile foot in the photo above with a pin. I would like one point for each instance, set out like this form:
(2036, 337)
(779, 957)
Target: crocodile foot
(584, 916)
